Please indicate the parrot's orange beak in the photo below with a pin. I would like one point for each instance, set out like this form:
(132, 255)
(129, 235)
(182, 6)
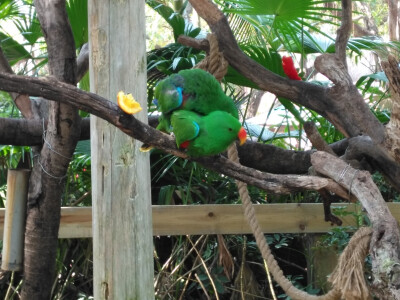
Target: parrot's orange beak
(242, 135)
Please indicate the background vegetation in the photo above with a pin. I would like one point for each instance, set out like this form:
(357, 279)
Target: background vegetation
(204, 267)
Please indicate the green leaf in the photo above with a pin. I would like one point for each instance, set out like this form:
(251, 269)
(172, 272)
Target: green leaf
(175, 20)
(281, 9)
(77, 11)
(9, 9)
(268, 58)
(28, 24)
(281, 23)
(13, 50)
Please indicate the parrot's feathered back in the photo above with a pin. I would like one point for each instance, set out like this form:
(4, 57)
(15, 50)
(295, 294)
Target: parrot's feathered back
(205, 135)
(195, 90)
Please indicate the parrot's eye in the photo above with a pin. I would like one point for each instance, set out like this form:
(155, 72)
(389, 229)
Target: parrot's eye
(230, 129)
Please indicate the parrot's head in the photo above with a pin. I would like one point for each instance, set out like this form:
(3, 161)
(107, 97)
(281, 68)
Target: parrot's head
(242, 136)
(168, 96)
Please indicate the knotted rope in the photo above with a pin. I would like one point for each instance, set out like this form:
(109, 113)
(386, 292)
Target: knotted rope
(215, 62)
(348, 277)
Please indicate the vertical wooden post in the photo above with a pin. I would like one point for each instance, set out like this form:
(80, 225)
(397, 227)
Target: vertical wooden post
(14, 222)
(122, 224)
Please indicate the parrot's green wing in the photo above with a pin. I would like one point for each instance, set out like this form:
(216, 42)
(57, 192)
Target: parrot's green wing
(202, 93)
(218, 130)
(185, 125)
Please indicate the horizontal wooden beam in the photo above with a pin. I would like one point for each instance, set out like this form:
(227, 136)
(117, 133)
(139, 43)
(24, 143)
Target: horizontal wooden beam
(76, 222)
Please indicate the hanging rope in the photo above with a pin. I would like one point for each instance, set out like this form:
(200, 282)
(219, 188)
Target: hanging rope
(214, 63)
(348, 277)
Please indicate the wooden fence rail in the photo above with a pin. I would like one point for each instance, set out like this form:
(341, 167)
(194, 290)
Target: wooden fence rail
(76, 222)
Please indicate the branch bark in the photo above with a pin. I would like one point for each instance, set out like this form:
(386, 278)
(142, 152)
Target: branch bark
(82, 62)
(21, 101)
(24, 132)
(50, 167)
(343, 33)
(65, 93)
(325, 101)
(385, 243)
(392, 142)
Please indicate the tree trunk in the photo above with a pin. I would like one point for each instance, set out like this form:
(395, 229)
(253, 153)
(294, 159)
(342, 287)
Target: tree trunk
(51, 163)
(392, 22)
(122, 223)
(254, 103)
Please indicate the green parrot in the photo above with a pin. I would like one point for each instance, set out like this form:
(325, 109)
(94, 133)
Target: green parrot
(205, 135)
(195, 90)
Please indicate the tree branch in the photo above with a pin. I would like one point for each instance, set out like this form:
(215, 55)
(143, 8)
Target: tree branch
(65, 93)
(392, 142)
(50, 167)
(363, 147)
(320, 99)
(21, 132)
(21, 101)
(82, 62)
(316, 139)
(24, 132)
(386, 236)
(343, 33)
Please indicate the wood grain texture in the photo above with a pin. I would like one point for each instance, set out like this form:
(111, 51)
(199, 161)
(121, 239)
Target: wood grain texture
(76, 222)
(122, 232)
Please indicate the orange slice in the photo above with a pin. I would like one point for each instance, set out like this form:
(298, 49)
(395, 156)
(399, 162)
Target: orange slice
(127, 103)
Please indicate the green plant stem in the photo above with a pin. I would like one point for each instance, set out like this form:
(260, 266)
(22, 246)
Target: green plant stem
(205, 269)
(9, 289)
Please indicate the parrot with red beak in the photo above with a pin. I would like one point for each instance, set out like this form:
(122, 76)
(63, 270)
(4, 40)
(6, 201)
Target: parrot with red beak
(206, 135)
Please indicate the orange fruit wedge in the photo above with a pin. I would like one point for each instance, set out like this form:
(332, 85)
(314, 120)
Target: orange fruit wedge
(127, 103)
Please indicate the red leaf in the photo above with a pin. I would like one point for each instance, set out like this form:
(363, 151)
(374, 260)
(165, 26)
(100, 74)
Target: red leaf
(289, 69)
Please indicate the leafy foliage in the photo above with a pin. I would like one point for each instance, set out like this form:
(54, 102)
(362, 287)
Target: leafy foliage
(188, 266)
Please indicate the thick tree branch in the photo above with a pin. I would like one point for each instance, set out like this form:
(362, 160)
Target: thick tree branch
(21, 101)
(332, 67)
(258, 156)
(4, 65)
(82, 62)
(24, 132)
(50, 167)
(392, 142)
(316, 139)
(320, 99)
(109, 111)
(20, 132)
(363, 147)
(386, 237)
(343, 33)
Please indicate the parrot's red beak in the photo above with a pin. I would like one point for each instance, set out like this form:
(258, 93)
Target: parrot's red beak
(242, 135)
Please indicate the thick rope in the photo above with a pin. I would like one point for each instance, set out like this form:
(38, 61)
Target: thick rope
(214, 63)
(351, 262)
(347, 279)
(262, 244)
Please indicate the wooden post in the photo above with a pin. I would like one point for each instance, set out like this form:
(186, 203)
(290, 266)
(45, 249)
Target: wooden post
(122, 223)
(14, 223)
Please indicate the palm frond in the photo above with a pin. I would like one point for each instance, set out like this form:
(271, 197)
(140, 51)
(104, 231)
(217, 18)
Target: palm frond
(77, 11)
(13, 50)
(174, 19)
(268, 58)
(281, 22)
(9, 9)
